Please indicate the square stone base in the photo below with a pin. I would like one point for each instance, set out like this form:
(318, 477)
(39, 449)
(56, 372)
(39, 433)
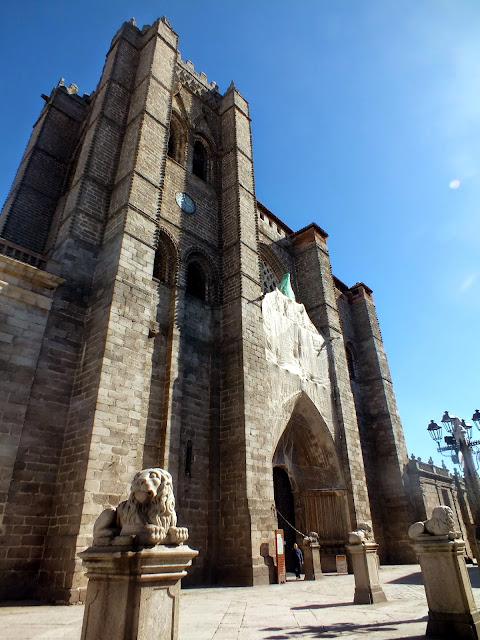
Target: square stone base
(454, 625)
(134, 595)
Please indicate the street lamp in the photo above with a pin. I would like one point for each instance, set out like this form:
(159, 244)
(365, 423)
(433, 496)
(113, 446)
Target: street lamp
(476, 418)
(459, 440)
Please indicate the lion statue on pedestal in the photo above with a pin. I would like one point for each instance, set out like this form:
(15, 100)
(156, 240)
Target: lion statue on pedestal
(441, 523)
(147, 518)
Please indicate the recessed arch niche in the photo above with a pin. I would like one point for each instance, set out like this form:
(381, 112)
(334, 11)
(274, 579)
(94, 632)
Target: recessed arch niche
(306, 452)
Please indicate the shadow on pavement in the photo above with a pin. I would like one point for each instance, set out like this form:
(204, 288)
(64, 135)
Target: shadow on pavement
(24, 603)
(344, 629)
(411, 578)
(416, 577)
(323, 606)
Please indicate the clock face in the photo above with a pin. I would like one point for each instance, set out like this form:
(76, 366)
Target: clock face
(185, 202)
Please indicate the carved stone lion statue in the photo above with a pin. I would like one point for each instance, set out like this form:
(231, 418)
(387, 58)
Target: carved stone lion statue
(362, 534)
(312, 538)
(147, 518)
(441, 523)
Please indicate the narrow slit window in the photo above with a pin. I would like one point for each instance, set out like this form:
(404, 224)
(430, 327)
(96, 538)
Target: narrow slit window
(351, 363)
(171, 145)
(189, 459)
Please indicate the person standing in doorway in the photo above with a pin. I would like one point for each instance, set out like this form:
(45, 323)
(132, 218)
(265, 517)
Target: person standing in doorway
(297, 560)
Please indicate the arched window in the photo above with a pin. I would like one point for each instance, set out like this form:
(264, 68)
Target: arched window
(199, 164)
(269, 279)
(196, 285)
(165, 264)
(351, 361)
(176, 140)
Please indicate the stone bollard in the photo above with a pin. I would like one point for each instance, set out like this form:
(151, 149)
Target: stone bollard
(363, 553)
(452, 612)
(311, 557)
(135, 565)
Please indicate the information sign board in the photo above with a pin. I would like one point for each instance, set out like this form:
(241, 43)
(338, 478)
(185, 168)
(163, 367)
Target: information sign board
(342, 565)
(280, 552)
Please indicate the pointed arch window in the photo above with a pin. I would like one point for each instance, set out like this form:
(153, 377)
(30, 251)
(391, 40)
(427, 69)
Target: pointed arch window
(200, 160)
(165, 263)
(269, 279)
(176, 141)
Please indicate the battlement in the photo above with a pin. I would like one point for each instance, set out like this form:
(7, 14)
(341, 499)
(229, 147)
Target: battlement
(71, 90)
(188, 66)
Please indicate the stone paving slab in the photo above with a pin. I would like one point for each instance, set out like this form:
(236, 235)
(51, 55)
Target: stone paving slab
(297, 609)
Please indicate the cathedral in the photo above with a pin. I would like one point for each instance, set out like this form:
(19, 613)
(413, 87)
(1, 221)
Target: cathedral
(155, 314)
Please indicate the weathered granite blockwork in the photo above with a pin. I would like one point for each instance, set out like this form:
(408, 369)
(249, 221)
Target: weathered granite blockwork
(25, 301)
(154, 350)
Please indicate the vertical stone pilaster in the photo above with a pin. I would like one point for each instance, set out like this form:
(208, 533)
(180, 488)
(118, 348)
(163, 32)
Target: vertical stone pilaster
(317, 292)
(242, 458)
(382, 422)
(123, 309)
(107, 412)
(50, 451)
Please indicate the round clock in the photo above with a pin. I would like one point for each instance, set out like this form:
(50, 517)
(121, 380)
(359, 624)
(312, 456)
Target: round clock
(185, 202)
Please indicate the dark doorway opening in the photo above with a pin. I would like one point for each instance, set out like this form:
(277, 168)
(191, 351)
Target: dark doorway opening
(284, 503)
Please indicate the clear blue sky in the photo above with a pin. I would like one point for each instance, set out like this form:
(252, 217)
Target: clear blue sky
(366, 120)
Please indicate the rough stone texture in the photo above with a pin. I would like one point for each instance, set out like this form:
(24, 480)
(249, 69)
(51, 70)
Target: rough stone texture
(136, 564)
(312, 564)
(431, 486)
(134, 595)
(153, 353)
(452, 612)
(365, 569)
(26, 296)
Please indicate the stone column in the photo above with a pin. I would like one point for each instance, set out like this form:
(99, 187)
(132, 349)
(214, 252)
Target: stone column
(136, 564)
(365, 569)
(311, 558)
(452, 612)
(247, 520)
(134, 595)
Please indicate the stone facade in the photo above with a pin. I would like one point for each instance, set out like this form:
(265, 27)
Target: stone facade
(135, 337)
(431, 486)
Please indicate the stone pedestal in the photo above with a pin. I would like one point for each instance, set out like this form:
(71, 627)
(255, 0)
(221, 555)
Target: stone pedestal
(134, 595)
(311, 559)
(452, 612)
(365, 570)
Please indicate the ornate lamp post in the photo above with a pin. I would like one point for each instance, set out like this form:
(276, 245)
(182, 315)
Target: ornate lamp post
(459, 441)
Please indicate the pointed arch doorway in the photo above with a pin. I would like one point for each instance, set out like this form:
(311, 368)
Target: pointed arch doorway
(309, 486)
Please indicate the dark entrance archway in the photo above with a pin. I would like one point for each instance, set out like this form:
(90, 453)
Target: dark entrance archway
(306, 458)
(284, 503)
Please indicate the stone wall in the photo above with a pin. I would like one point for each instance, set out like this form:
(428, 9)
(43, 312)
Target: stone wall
(136, 362)
(25, 301)
(431, 486)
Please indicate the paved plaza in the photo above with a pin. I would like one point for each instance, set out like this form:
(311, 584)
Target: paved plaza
(297, 609)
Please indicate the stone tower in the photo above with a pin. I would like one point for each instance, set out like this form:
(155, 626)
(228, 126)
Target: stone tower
(143, 328)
